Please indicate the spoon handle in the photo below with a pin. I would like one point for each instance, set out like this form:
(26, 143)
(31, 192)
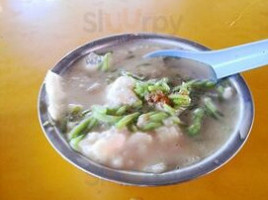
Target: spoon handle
(237, 59)
(227, 61)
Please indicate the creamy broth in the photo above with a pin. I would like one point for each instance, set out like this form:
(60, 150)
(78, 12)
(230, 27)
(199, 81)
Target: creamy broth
(165, 148)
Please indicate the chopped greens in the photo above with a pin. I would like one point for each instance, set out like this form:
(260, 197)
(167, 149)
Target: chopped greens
(195, 127)
(142, 88)
(211, 108)
(151, 126)
(180, 99)
(74, 142)
(195, 84)
(126, 120)
(121, 110)
(220, 91)
(110, 119)
(169, 109)
(105, 64)
(82, 126)
(202, 84)
(160, 116)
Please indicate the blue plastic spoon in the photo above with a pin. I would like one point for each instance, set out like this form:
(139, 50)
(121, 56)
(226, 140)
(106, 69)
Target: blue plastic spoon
(224, 62)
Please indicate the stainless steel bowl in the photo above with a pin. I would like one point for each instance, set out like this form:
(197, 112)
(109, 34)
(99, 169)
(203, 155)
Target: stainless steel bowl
(217, 159)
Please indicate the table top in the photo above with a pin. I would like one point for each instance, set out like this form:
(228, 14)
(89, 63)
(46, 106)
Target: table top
(35, 34)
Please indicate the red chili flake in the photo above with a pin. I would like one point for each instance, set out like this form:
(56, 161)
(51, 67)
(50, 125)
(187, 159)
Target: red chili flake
(157, 97)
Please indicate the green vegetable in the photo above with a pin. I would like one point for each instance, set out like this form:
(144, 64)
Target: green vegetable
(93, 122)
(194, 129)
(180, 100)
(74, 142)
(104, 65)
(152, 120)
(103, 114)
(77, 130)
(147, 115)
(198, 116)
(166, 87)
(121, 110)
(137, 104)
(183, 101)
(141, 89)
(163, 84)
(111, 111)
(144, 87)
(202, 84)
(211, 108)
(110, 119)
(133, 128)
(158, 116)
(220, 91)
(169, 109)
(195, 84)
(184, 88)
(153, 88)
(80, 131)
(151, 126)
(126, 120)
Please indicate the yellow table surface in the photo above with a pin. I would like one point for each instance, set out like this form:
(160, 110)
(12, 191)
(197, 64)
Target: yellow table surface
(35, 34)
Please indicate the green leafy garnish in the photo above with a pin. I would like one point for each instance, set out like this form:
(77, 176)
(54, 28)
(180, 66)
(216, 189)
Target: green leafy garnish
(126, 120)
(75, 141)
(169, 109)
(86, 124)
(211, 108)
(105, 64)
(151, 126)
(198, 116)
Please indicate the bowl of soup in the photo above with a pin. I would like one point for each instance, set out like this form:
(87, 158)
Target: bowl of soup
(133, 120)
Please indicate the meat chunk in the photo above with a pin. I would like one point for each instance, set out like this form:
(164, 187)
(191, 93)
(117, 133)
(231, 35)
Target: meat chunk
(168, 135)
(56, 95)
(120, 92)
(103, 146)
(140, 151)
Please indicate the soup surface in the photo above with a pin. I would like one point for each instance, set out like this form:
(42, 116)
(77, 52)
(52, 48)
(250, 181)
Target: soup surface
(151, 115)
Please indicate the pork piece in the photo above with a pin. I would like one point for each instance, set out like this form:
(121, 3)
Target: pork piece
(56, 96)
(120, 92)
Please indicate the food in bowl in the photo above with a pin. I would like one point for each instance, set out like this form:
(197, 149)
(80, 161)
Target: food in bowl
(148, 115)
